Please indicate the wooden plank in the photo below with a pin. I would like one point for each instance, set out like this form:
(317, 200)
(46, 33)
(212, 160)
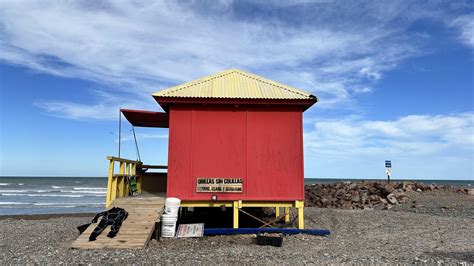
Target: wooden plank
(143, 212)
(122, 159)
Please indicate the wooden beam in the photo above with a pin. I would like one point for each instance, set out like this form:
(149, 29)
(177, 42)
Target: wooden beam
(122, 160)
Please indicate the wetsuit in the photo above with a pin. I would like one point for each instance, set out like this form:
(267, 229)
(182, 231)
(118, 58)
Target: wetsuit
(113, 217)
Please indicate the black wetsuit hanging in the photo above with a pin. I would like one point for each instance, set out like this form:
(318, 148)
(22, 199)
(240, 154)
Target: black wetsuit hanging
(113, 217)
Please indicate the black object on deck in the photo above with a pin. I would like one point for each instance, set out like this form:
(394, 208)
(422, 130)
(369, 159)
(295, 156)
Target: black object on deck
(264, 240)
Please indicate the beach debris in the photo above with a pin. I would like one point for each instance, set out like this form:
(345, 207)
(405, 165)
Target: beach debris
(370, 195)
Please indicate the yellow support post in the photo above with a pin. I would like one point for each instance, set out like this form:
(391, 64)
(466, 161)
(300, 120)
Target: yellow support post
(126, 186)
(277, 212)
(120, 181)
(109, 199)
(299, 204)
(236, 214)
(113, 189)
(127, 168)
(287, 214)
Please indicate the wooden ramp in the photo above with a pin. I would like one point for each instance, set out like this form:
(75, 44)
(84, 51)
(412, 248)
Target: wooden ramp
(143, 212)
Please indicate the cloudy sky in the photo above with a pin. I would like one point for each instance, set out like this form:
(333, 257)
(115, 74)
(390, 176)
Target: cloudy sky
(394, 78)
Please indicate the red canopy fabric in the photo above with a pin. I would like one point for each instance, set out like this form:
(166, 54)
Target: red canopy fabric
(140, 118)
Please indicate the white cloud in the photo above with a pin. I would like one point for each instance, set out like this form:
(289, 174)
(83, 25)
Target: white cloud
(416, 141)
(105, 108)
(465, 26)
(150, 45)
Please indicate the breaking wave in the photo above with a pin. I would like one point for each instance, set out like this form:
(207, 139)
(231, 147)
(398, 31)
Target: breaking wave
(90, 188)
(13, 203)
(88, 192)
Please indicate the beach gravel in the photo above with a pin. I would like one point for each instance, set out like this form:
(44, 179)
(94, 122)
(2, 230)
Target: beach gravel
(403, 234)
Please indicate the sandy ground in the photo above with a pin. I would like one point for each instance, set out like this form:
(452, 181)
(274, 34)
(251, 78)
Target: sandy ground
(440, 231)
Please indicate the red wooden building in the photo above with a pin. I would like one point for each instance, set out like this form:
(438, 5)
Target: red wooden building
(235, 139)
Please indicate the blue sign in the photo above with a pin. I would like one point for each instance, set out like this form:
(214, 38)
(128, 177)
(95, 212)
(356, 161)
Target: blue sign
(388, 164)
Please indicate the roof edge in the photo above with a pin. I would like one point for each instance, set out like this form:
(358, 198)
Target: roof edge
(165, 102)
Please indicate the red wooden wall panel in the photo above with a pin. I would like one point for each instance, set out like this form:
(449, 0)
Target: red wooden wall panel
(261, 145)
(274, 169)
(179, 153)
(218, 148)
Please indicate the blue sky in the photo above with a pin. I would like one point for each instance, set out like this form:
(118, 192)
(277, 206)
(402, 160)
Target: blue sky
(394, 79)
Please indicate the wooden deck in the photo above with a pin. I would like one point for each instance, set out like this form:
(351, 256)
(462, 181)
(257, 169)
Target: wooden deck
(143, 212)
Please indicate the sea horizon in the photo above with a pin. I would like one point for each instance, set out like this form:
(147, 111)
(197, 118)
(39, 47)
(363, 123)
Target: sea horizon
(24, 195)
(335, 178)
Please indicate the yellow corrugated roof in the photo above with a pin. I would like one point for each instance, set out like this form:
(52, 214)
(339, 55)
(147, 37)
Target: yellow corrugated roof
(234, 83)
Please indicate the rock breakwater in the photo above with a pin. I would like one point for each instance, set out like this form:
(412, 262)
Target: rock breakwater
(369, 195)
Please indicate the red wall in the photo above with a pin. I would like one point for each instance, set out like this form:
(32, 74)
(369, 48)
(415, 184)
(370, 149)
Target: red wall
(263, 146)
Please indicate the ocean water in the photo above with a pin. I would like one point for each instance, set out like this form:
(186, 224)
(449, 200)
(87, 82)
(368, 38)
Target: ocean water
(46, 195)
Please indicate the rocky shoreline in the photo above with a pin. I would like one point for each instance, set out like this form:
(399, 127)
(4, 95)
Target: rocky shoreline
(370, 195)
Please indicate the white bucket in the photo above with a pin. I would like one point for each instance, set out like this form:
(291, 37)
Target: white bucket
(168, 225)
(172, 206)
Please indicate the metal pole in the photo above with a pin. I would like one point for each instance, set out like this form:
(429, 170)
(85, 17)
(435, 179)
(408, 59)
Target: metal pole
(120, 131)
(136, 144)
(388, 176)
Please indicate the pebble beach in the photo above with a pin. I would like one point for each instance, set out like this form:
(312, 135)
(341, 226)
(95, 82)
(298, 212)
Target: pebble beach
(439, 230)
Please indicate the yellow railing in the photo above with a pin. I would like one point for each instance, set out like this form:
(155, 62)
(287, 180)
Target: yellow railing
(117, 186)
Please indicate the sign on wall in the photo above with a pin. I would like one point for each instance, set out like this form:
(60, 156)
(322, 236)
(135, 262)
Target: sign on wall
(220, 185)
